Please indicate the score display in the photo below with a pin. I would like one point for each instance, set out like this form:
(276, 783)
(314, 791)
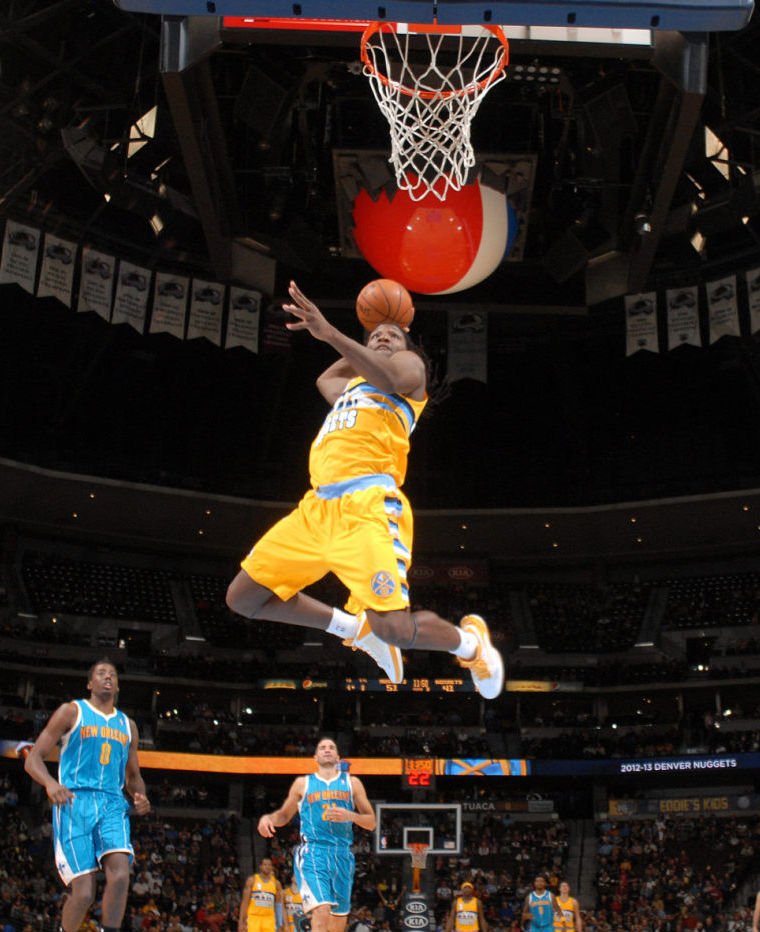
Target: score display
(421, 684)
(418, 773)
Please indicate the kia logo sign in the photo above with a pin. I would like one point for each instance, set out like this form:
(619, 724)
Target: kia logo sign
(416, 922)
(422, 572)
(414, 906)
(461, 572)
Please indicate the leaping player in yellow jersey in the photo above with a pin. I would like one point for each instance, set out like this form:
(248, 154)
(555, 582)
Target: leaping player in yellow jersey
(291, 898)
(355, 521)
(570, 920)
(261, 903)
(466, 913)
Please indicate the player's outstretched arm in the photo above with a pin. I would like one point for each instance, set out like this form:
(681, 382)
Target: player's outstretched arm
(60, 722)
(403, 372)
(133, 778)
(270, 822)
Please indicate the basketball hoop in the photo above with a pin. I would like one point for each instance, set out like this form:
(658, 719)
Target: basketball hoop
(419, 853)
(429, 95)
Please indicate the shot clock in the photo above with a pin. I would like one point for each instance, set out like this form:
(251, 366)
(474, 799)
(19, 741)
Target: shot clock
(418, 773)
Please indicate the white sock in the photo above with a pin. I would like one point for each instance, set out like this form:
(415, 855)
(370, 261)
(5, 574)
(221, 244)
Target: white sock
(343, 625)
(468, 645)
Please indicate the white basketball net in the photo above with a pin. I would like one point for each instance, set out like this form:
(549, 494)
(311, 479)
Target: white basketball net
(429, 95)
(419, 855)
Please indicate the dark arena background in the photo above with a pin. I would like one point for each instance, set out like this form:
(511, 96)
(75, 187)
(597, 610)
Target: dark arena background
(589, 481)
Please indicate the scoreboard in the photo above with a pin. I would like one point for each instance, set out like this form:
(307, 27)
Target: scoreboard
(419, 684)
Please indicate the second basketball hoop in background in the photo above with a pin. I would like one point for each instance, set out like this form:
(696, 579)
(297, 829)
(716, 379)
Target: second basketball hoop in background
(384, 301)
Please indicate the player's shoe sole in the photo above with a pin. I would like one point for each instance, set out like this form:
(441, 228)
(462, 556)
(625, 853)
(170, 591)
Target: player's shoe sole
(487, 666)
(386, 656)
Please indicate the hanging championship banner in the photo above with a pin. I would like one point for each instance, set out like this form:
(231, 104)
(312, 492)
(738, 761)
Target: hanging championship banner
(206, 303)
(723, 308)
(468, 342)
(130, 303)
(19, 261)
(683, 316)
(57, 269)
(243, 319)
(753, 298)
(169, 304)
(96, 282)
(641, 323)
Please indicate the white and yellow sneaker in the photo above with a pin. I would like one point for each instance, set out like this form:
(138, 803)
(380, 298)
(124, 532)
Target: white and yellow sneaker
(386, 656)
(487, 666)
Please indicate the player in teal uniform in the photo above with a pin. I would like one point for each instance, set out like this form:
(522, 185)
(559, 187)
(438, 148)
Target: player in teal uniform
(540, 907)
(329, 802)
(98, 759)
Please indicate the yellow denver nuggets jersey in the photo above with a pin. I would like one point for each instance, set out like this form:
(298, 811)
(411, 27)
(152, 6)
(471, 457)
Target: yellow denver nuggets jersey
(366, 432)
(263, 893)
(293, 906)
(466, 915)
(567, 922)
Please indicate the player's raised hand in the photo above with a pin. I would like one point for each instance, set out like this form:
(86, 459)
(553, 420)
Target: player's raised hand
(142, 804)
(267, 828)
(309, 315)
(59, 795)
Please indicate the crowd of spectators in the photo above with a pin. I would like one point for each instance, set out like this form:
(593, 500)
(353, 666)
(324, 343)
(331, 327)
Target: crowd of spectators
(185, 874)
(677, 873)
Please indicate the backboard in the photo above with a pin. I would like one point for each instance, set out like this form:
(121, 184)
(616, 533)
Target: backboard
(438, 825)
(690, 15)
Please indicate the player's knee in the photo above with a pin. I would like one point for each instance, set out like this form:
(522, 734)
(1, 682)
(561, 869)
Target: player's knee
(83, 891)
(391, 627)
(118, 875)
(246, 597)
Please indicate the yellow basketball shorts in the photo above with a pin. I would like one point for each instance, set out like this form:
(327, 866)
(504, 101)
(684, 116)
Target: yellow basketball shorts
(262, 923)
(364, 537)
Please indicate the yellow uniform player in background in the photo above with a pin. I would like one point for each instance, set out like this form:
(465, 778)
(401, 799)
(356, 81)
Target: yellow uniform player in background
(570, 920)
(291, 898)
(261, 903)
(466, 913)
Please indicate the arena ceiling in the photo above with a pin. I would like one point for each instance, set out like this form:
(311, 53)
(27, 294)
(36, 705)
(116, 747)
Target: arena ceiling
(233, 173)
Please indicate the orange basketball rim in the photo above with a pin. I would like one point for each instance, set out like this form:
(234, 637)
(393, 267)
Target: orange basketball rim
(480, 84)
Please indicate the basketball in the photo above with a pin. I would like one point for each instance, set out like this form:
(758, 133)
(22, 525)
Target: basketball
(384, 301)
